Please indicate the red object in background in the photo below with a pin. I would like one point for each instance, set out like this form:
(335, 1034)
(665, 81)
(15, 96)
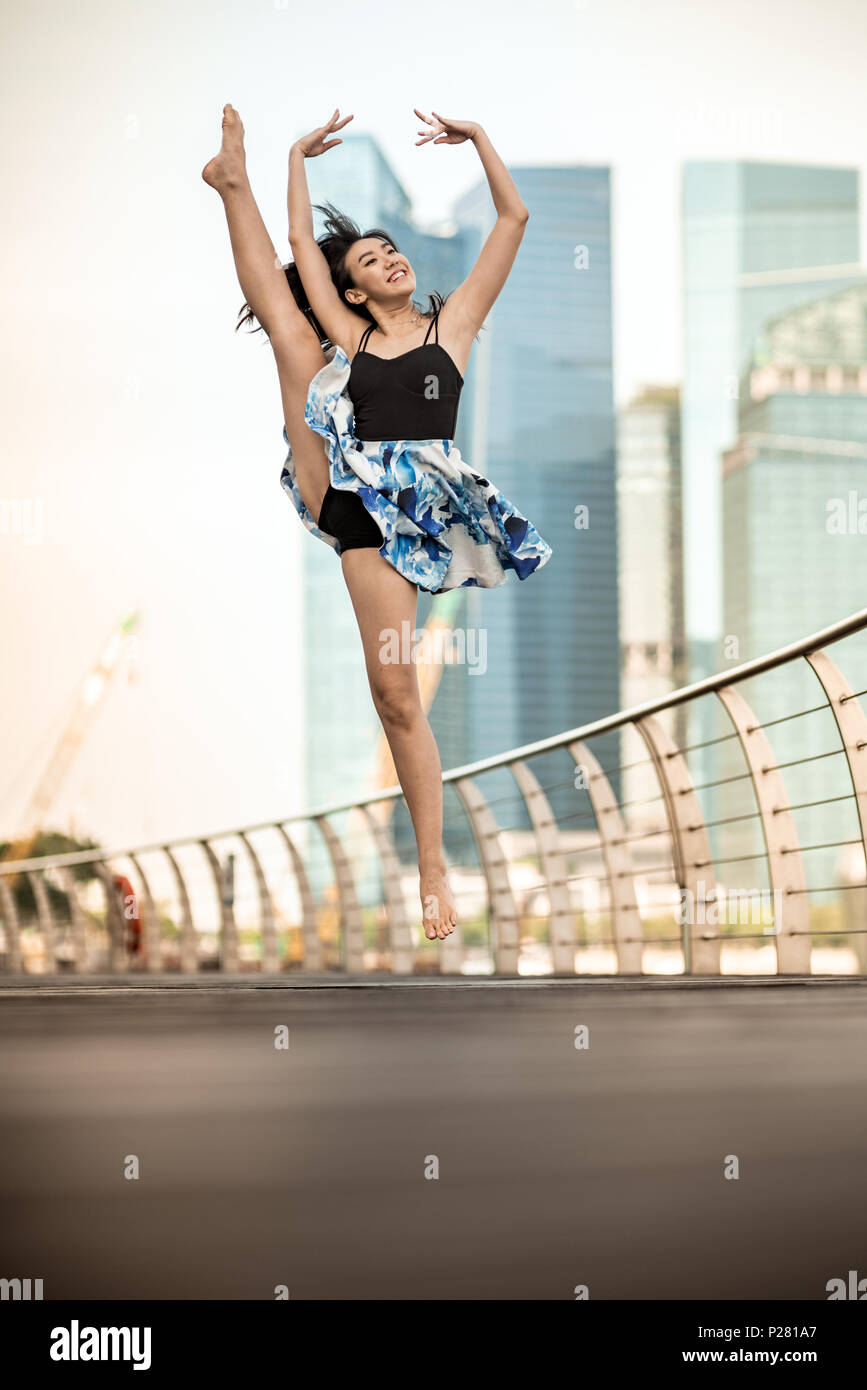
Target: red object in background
(131, 911)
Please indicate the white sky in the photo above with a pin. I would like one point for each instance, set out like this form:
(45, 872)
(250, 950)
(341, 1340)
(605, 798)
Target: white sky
(147, 435)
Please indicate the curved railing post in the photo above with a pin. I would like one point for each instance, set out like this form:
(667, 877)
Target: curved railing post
(351, 920)
(785, 866)
(114, 920)
(543, 821)
(189, 952)
(228, 929)
(399, 937)
(77, 921)
(268, 926)
(625, 917)
(45, 918)
(852, 726)
(312, 962)
(501, 902)
(11, 928)
(153, 946)
(689, 842)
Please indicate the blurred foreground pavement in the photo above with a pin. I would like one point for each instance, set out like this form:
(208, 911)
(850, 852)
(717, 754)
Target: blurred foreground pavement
(305, 1166)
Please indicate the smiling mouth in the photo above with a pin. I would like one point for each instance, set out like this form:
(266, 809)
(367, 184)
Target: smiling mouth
(397, 275)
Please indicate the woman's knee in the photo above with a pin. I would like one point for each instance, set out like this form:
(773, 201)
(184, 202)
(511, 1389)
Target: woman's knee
(397, 700)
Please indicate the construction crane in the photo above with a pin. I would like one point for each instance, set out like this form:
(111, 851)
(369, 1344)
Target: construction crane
(75, 731)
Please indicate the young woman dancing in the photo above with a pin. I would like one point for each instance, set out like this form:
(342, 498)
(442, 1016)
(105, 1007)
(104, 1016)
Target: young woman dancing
(370, 405)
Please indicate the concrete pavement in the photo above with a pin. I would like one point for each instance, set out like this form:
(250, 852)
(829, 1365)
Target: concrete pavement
(305, 1165)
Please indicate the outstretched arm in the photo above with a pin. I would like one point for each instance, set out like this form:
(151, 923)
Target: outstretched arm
(338, 320)
(473, 300)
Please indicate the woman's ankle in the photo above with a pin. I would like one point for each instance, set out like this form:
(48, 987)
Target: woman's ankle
(432, 863)
(234, 182)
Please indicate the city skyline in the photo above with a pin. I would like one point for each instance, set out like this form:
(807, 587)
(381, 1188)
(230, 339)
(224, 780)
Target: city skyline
(157, 461)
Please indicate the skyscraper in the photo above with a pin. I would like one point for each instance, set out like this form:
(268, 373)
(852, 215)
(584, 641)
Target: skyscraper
(758, 239)
(537, 417)
(795, 546)
(793, 559)
(651, 577)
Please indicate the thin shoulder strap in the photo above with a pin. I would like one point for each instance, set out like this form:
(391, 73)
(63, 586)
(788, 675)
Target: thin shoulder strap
(365, 336)
(434, 324)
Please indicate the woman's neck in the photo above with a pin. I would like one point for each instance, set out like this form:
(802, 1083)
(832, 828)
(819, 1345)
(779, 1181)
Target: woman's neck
(392, 327)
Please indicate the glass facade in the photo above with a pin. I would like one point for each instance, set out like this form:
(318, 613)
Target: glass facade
(758, 239)
(789, 567)
(794, 504)
(537, 416)
(650, 533)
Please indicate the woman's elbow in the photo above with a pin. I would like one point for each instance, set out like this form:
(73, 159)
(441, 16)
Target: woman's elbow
(299, 238)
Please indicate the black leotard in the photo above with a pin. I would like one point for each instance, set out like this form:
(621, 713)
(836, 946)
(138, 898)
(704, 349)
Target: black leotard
(412, 396)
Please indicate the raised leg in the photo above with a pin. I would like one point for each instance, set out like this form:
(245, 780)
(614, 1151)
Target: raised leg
(263, 282)
(383, 600)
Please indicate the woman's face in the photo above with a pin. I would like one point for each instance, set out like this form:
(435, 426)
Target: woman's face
(379, 272)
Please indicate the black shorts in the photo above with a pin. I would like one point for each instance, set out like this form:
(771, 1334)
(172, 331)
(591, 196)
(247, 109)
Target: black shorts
(344, 516)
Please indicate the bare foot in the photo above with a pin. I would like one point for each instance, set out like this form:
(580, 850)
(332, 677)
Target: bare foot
(228, 168)
(438, 909)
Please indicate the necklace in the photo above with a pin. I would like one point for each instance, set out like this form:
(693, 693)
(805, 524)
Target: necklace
(416, 318)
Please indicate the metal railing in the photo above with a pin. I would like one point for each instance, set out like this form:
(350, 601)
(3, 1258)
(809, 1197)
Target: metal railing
(581, 875)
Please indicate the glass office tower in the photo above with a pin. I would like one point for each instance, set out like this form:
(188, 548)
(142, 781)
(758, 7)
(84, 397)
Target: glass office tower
(792, 561)
(537, 418)
(758, 239)
(650, 535)
(795, 547)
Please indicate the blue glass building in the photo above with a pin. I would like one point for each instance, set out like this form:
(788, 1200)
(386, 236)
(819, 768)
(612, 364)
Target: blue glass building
(758, 239)
(795, 554)
(537, 417)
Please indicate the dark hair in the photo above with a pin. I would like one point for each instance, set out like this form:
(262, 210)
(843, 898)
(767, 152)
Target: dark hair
(340, 234)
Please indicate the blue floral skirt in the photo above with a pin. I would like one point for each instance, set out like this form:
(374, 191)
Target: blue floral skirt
(443, 525)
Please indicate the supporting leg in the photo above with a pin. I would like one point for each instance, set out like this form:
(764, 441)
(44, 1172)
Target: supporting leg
(383, 600)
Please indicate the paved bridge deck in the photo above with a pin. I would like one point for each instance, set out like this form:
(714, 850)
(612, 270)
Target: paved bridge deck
(557, 1166)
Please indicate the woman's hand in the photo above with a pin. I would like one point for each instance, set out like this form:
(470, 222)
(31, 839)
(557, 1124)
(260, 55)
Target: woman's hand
(447, 132)
(316, 143)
